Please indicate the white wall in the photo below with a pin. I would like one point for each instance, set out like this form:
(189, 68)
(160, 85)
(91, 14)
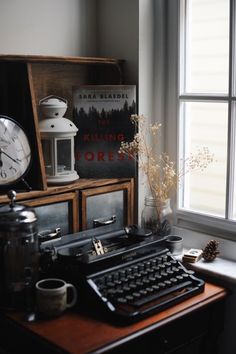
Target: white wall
(48, 27)
(118, 31)
(146, 75)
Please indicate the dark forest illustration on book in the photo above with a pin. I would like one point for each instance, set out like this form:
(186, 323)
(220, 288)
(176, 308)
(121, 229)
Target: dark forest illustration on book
(102, 115)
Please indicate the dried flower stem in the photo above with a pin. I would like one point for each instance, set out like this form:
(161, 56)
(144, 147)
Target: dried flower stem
(160, 171)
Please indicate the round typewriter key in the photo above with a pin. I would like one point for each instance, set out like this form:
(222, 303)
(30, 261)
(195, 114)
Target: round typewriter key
(173, 280)
(135, 268)
(173, 261)
(143, 292)
(149, 290)
(162, 266)
(136, 295)
(139, 283)
(129, 297)
(126, 288)
(133, 286)
(155, 287)
(162, 285)
(111, 291)
(185, 275)
(110, 284)
(122, 272)
(121, 300)
(150, 270)
(167, 282)
(155, 268)
(131, 277)
(158, 276)
(137, 275)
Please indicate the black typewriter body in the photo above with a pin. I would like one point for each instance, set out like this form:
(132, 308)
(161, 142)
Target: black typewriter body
(126, 274)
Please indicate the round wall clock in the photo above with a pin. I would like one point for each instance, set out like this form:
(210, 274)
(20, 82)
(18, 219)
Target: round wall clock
(15, 152)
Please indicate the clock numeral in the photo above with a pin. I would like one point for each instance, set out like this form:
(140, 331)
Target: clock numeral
(3, 174)
(13, 169)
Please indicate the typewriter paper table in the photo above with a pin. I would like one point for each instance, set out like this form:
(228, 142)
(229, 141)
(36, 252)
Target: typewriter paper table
(77, 334)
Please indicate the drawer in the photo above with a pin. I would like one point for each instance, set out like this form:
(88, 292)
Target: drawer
(56, 211)
(108, 205)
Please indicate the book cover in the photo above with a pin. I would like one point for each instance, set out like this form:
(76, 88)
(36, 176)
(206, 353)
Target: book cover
(102, 115)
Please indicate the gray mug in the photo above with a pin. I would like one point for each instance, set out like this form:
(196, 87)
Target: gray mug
(52, 296)
(174, 244)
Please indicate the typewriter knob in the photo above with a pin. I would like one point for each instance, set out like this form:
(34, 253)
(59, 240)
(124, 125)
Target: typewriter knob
(135, 231)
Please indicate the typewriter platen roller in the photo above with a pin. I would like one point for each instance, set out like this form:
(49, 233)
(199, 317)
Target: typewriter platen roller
(128, 273)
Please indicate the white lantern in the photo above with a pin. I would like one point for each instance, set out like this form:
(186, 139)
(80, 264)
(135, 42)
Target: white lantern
(57, 135)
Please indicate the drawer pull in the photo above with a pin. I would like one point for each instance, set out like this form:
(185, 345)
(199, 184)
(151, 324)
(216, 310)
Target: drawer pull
(103, 221)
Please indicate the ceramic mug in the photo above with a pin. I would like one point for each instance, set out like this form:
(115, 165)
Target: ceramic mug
(52, 296)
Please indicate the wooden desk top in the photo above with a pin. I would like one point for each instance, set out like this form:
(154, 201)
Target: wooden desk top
(78, 334)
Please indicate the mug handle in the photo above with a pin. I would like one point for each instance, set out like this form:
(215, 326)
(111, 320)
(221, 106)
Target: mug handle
(74, 291)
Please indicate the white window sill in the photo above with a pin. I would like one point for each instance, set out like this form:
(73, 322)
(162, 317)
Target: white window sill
(220, 268)
(223, 267)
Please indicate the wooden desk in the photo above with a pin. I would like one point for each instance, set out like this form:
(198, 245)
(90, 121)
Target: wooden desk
(77, 334)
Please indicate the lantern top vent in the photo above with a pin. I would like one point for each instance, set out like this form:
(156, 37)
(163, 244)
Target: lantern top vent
(53, 106)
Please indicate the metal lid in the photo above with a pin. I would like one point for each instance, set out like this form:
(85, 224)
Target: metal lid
(15, 214)
(53, 101)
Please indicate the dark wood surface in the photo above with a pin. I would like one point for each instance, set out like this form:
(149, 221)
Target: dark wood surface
(77, 334)
(81, 183)
(59, 59)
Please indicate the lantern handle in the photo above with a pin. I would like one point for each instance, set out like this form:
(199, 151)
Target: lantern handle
(53, 96)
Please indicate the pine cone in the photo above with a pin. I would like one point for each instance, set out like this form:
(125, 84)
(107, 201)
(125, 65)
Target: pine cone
(210, 251)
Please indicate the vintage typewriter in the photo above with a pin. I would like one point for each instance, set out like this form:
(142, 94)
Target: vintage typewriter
(127, 274)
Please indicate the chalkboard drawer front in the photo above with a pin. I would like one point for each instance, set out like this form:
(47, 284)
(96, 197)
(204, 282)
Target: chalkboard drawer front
(110, 205)
(57, 211)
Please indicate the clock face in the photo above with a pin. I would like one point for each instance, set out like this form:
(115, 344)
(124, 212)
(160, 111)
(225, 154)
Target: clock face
(15, 152)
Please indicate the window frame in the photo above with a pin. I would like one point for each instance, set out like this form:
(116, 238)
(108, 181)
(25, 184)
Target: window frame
(219, 226)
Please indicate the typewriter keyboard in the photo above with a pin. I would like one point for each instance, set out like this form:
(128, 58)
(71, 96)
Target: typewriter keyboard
(145, 285)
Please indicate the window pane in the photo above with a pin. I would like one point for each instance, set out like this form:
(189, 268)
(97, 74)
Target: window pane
(204, 124)
(207, 46)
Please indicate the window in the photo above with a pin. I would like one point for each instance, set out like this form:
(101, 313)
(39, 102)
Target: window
(207, 114)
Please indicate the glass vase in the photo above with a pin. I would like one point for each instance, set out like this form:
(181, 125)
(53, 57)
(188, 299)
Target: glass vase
(157, 216)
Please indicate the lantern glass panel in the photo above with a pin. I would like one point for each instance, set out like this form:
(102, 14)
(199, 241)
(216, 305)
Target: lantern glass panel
(47, 154)
(64, 162)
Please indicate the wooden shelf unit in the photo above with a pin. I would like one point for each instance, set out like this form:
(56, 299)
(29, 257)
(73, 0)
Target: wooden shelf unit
(25, 80)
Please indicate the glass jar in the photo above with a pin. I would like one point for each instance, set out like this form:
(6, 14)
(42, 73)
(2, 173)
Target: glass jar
(19, 253)
(157, 216)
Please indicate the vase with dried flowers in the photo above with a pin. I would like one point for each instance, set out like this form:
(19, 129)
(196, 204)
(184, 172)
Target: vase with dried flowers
(161, 173)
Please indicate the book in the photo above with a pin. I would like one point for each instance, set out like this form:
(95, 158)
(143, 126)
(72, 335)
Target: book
(102, 115)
